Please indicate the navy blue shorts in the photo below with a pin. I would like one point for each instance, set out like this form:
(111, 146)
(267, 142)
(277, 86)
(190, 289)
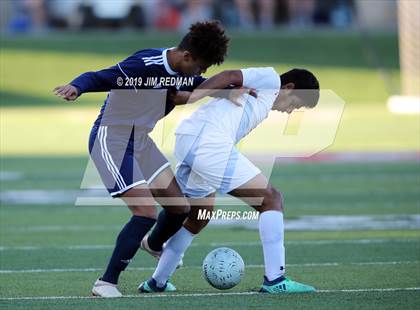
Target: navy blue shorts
(125, 157)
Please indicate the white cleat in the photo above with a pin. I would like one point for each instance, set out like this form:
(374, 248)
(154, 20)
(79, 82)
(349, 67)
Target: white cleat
(105, 290)
(144, 245)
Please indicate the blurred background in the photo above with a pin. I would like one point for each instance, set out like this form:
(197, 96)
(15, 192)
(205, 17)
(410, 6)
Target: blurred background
(365, 185)
(20, 16)
(359, 49)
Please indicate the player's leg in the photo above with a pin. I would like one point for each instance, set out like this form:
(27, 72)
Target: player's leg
(164, 188)
(259, 194)
(195, 187)
(194, 223)
(111, 151)
(177, 246)
(140, 202)
(167, 193)
(262, 196)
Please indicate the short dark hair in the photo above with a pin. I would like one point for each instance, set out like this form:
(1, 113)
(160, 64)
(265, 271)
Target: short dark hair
(305, 81)
(206, 41)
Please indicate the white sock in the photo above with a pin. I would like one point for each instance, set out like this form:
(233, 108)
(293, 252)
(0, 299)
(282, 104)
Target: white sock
(272, 237)
(171, 255)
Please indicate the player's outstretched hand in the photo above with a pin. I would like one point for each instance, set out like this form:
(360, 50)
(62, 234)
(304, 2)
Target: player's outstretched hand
(67, 92)
(237, 92)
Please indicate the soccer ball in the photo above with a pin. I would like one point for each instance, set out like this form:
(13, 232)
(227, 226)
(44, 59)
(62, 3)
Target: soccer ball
(223, 268)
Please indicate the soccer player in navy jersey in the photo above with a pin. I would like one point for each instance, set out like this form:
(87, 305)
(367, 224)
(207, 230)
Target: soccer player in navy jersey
(129, 163)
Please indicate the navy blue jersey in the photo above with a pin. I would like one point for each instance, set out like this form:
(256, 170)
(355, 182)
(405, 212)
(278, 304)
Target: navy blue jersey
(144, 70)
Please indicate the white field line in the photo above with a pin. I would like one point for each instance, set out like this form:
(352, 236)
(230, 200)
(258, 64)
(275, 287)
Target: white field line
(55, 228)
(360, 290)
(94, 269)
(308, 223)
(10, 175)
(321, 242)
(217, 244)
(67, 247)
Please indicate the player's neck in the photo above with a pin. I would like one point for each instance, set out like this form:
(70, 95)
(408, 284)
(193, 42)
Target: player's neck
(173, 59)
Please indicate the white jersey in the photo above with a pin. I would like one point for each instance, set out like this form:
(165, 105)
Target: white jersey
(222, 119)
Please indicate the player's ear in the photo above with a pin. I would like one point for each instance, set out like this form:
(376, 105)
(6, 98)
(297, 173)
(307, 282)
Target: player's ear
(186, 55)
(287, 88)
(290, 85)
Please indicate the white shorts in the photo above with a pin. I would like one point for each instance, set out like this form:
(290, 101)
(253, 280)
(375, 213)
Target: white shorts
(208, 164)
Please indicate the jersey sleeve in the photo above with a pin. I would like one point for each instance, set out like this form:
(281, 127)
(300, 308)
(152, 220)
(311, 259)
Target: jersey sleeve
(110, 78)
(261, 78)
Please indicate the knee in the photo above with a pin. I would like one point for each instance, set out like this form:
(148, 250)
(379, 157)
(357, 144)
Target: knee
(273, 200)
(145, 211)
(183, 209)
(195, 226)
(172, 202)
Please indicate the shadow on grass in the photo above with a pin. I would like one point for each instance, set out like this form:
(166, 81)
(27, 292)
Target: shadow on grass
(339, 49)
(10, 99)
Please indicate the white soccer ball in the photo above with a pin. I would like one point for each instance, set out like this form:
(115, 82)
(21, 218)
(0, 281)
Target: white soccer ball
(223, 268)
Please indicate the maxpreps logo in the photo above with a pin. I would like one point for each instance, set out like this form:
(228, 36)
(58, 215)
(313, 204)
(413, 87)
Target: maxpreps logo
(227, 215)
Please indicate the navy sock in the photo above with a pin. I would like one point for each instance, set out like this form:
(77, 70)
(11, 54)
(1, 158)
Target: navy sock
(126, 246)
(153, 285)
(166, 226)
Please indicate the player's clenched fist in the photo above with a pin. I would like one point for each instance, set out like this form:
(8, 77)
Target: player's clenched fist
(67, 92)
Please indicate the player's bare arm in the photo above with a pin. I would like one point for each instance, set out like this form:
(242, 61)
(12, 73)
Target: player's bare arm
(223, 80)
(214, 87)
(179, 97)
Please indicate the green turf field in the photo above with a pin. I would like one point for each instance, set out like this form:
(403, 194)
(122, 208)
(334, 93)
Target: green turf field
(59, 249)
(52, 252)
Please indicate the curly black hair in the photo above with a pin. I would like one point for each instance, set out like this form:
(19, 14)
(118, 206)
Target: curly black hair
(206, 41)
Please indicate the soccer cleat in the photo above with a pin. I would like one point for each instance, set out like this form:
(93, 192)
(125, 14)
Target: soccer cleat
(144, 245)
(105, 289)
(150, 286)
(283, 285)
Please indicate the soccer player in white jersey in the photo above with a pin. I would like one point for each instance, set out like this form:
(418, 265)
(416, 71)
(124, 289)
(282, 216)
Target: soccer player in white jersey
(209, 162)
